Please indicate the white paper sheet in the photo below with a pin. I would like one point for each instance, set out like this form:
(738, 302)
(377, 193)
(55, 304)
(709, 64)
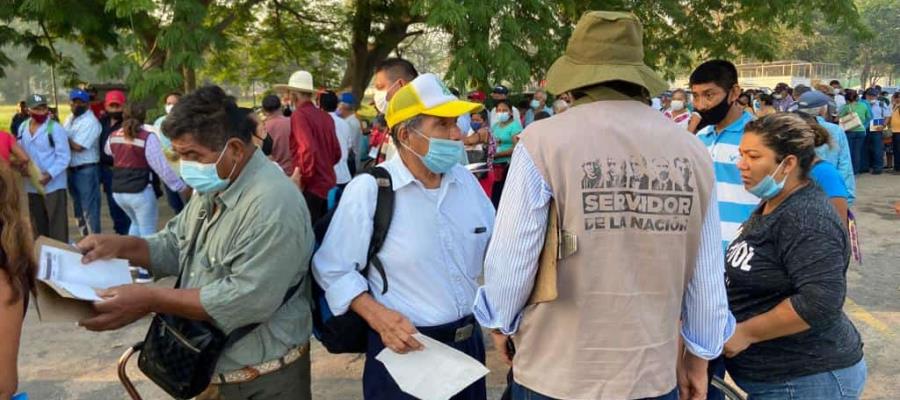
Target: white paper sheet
(64, 268)
(435, 373)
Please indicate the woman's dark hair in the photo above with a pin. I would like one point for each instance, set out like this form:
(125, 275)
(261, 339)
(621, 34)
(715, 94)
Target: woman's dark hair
(745, 95)
(499, 102)
(16, 255)
(790, 134)
(851, 95)
(211, 117)
(766, 99)
(133, 119)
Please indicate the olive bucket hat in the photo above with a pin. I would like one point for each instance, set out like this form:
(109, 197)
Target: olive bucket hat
(605, 46)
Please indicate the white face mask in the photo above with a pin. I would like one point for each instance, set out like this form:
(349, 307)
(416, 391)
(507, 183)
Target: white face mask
(677, 105)
(837, 91)
(169, 108)
(381, 100)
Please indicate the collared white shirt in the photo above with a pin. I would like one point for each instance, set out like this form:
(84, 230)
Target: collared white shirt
(432, 255)
(342, 130)
(85, 131)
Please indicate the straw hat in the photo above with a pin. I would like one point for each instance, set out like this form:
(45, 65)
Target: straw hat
(300, 81)
(605, 46)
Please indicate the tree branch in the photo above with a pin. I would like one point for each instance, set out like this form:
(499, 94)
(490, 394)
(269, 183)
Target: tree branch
(233, 15)
(300, 17)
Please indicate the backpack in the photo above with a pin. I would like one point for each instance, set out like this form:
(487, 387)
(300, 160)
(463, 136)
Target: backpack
(27, 122)
(347, 333)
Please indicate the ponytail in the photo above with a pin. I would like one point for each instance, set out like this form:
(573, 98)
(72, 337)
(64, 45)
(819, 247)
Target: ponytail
(133, 116)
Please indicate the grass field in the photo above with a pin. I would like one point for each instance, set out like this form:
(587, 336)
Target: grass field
(8, 110)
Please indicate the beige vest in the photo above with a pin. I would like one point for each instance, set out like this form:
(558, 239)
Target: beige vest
(633, 188)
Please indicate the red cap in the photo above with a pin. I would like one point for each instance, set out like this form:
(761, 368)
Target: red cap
(477, 96)
(114, 96)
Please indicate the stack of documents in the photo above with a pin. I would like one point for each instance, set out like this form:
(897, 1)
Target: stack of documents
(66, 287)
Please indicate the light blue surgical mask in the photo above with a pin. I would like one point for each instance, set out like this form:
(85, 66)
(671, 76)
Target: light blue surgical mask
(768, 188)
(204, 178)
(535, 104)
(503, 116)
(443, 154)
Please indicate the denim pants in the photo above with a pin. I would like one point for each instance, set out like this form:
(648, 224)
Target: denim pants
(856, 142)
(896, 146)
(141, 210)
(873, 153)
(84, 187)
(120, 219)
(520, 392)
(844, 384)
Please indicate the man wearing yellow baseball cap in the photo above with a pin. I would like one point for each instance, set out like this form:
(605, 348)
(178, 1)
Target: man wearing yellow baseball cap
(434, 249)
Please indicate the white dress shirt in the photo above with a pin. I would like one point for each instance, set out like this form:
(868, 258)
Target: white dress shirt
(342, 130)
(432, 255)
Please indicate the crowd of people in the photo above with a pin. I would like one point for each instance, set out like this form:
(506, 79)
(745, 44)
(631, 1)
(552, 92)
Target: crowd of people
(631, 200)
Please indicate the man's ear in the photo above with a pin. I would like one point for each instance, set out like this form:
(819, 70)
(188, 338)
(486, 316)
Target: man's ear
(735, 93)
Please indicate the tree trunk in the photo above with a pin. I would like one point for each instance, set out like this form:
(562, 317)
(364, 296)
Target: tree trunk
(189, 78)
(365, 56)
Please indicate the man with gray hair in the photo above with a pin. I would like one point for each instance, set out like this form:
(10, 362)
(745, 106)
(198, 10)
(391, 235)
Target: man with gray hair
(815, 104)
(538, 104)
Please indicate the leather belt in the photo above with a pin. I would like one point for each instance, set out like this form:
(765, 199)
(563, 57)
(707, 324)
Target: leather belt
(252, 372)
(83, 166)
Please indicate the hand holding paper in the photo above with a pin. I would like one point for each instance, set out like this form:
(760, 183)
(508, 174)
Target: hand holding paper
(436, 373)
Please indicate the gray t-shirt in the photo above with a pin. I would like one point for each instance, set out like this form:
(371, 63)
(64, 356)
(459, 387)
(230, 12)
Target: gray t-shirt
(799, 251)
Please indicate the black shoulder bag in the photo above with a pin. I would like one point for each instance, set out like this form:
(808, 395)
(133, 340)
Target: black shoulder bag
(180, 354)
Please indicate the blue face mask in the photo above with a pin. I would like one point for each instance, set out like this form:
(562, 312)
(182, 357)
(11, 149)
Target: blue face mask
(768, 188)
(535, 104)
(475, 126)
(204, 178)
(503, 116)
(442, 154)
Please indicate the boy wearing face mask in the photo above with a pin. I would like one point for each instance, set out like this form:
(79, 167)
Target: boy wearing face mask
(46, 143)
(84, 170)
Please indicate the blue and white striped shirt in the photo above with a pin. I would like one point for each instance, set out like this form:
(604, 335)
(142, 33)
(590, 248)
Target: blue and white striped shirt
(735, 203)
(512, 262)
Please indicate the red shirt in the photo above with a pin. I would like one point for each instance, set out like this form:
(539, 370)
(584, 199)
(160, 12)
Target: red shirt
(315, 148)
(6, 143)
(279, 129)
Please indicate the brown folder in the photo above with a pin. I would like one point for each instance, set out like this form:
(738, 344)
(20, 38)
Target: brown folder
(55, 304)
(545, 280)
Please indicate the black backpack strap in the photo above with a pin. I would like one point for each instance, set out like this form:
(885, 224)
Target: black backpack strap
(384, 212)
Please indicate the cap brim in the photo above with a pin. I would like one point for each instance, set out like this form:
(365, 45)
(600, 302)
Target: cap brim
(453, 108)
(292, 88)
(565, 75)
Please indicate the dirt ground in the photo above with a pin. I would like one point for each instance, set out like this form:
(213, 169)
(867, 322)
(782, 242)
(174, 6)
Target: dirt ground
(62, 361)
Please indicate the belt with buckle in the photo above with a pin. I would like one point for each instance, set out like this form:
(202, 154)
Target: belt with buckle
(83, 166)
(252, 372)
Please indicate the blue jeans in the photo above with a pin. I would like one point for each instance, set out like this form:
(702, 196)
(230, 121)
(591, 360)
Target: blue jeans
(141, 210)
(845, 384)
(856, 142)
(84, 186)
(873, 154)
(120, 220)
(520, 392)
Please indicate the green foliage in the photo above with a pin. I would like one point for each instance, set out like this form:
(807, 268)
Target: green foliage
(162, 44)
